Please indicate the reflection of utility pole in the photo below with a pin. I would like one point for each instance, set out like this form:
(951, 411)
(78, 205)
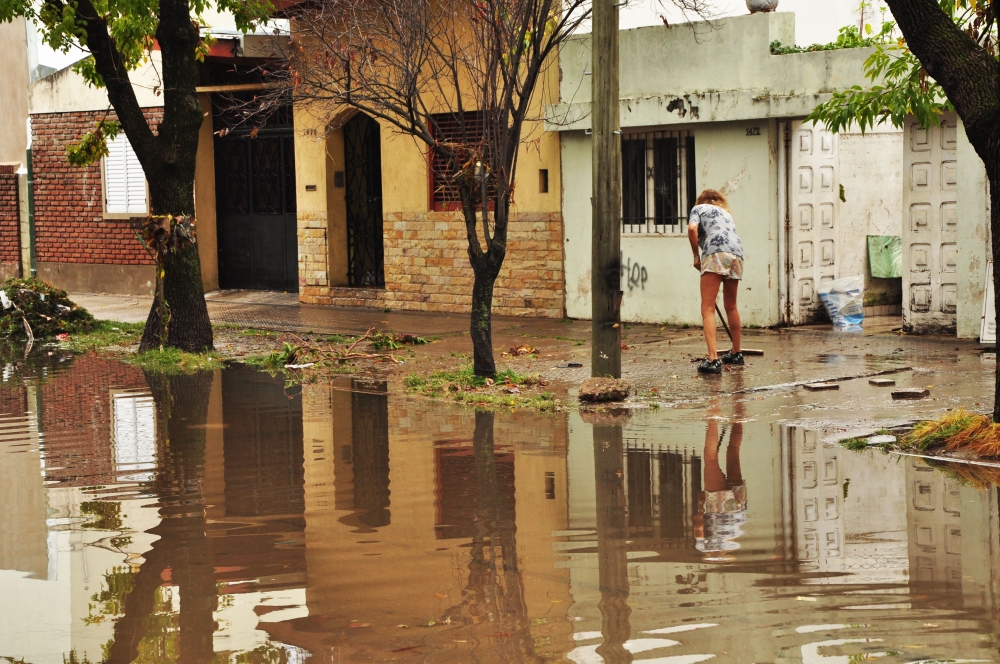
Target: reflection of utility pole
(612, 559)
(606, 293)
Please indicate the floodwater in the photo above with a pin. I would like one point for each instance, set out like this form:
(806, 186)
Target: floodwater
(226, 518)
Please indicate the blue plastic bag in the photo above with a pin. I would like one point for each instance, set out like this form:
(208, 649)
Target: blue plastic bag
(844, 300)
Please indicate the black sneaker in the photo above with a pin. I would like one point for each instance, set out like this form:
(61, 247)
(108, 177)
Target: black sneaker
(710, 367)
(733, 358)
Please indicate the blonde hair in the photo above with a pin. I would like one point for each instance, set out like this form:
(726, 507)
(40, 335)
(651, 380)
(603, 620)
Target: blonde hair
(713, 197)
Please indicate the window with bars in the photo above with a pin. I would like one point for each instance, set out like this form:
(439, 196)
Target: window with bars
(448, 128)
(658, 182)
(124, 180)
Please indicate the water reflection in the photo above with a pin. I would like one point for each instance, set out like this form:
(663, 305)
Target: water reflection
(224, 518)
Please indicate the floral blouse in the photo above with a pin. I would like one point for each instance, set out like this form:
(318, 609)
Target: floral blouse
(716, 231)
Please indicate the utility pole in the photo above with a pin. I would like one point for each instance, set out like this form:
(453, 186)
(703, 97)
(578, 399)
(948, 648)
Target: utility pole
(606, 293)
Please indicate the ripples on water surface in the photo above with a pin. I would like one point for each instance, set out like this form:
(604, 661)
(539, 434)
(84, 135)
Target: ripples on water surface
(222, 518)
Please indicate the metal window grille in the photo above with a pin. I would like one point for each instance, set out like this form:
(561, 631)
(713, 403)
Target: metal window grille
(467, 134)
(658, 182)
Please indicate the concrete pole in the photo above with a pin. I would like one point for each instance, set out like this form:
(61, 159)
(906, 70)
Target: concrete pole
(606, 293)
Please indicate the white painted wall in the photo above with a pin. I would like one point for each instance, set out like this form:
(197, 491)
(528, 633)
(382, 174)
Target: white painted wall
(717, 83)
(816, 21)
(973, 231)
(871, 171)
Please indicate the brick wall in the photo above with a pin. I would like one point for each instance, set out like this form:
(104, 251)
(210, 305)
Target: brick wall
(69, 211)
(10, 216)
(427, 267)
(76, 419)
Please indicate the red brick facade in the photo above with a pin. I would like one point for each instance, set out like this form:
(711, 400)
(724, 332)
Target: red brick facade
(69, 201)
(10, 251)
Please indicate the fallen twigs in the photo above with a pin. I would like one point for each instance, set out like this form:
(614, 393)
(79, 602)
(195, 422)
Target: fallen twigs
(301, 354)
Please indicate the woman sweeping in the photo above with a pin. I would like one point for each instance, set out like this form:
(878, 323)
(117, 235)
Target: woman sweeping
(718, 255)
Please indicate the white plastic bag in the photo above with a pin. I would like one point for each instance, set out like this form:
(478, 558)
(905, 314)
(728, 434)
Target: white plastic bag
(844, 300)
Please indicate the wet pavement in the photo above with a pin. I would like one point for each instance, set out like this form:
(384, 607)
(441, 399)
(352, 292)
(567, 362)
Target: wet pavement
(225, 517)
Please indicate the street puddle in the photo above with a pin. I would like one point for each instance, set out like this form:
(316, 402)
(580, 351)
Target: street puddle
(228, 518)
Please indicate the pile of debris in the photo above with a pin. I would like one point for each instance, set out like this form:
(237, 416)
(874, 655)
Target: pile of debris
(32, 309)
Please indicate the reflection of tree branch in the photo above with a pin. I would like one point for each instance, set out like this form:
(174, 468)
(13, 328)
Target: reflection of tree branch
(612, 558)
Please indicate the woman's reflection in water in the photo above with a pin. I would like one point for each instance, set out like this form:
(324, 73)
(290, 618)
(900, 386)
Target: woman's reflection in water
(722, 506)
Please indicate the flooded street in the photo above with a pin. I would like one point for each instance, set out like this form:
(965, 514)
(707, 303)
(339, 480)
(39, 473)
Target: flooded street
(222, 517)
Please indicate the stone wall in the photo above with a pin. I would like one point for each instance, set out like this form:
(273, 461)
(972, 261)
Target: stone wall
(427, 267)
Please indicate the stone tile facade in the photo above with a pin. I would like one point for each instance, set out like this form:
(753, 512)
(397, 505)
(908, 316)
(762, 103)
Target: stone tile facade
(427, 266)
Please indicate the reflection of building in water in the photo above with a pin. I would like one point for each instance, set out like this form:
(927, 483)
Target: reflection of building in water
(662, 487)
(414, 555)
(86, 539)
(934, 526)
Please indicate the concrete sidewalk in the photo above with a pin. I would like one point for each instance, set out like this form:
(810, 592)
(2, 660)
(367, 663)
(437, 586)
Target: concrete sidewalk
(280, 312)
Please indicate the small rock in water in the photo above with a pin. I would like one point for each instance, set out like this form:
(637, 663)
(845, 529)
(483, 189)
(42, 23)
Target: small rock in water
(820, 387)
(882, 382)
(881, 440)
(911, 393)
(604, 390)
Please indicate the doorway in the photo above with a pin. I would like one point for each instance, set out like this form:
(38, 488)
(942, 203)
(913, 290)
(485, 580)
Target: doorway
(363, 191)
(255, 208)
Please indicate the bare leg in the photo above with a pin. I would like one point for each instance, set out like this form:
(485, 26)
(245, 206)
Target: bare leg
(734, 474)
(709, 293)
(714, 479)
(730, 287)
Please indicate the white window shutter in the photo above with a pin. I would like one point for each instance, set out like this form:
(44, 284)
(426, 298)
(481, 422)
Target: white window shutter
(115, 178)
(124, 181)
(136, 182)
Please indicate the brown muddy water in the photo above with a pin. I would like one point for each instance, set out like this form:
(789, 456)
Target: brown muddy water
(224, 518)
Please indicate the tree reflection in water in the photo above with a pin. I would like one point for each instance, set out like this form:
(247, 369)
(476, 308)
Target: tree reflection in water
(181, 555)
(493, 596)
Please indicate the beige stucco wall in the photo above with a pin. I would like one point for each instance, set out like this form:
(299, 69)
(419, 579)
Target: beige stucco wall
(65, 91)
(13, 92)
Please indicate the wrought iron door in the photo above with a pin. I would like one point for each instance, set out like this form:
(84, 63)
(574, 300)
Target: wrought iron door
(363, 181)
(256, 220)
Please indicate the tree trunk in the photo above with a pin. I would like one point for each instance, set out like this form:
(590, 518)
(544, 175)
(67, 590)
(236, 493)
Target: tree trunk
(181, 544)
(482, 323)
(179, 292)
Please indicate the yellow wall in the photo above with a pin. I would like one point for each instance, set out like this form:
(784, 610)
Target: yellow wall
(336, 209)
(204, 199)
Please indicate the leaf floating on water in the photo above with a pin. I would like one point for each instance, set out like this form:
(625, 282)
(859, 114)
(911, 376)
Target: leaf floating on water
(355, 625)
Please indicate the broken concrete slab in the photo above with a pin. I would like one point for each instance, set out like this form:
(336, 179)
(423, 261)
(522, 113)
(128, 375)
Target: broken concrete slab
(821, 387)
(881, 440)
(882, 382)
(911, 393)
(604, 390)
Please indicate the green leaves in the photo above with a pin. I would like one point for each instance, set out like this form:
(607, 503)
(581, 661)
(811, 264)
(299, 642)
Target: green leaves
(93, 146)
(131, 24)
(905, 89)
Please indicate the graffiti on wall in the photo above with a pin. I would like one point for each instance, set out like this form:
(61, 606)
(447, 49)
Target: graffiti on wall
(634, 274)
